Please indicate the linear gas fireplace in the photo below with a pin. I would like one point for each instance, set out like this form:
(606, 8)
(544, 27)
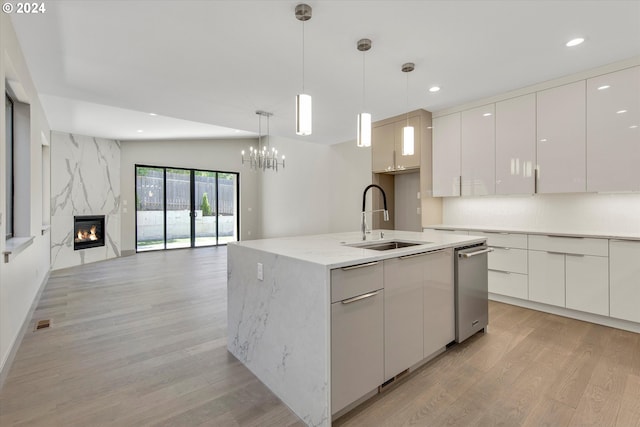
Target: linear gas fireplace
(88, 231)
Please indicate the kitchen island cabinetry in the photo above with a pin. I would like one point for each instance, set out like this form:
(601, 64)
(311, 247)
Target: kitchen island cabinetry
(306, 314)
(357, 346)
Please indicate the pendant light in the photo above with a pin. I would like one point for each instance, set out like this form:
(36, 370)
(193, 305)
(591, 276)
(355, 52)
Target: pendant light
(303, 101)
(407, 131)
(363, 133)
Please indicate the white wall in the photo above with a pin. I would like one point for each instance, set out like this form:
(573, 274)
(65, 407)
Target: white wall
(22, 277)
(222, 155)
(580, 213)
(319, 191)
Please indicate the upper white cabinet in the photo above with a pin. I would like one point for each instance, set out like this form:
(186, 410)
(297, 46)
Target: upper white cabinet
(561, 139)
(516, 145)
(478, 151)
(613, 131)
(624, 279)
(446, 155)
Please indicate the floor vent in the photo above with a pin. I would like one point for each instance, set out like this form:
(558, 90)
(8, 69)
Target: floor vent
(43, 324)
(390, 381)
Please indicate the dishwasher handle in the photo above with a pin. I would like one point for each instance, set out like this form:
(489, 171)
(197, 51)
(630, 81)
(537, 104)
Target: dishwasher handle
(470, 254)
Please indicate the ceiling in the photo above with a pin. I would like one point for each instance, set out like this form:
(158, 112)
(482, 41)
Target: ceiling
(205, 67)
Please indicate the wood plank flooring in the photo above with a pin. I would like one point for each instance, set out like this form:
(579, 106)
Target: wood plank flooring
(141, 341)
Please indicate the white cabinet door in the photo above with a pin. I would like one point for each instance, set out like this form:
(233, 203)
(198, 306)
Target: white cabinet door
(446, 155)
(587, 283)
(439, 306)
(516, 145)
(624, 270)
(613, 131)
(478, 148)
(356, 349)
(403, 330)
(561, 133)
(509, 284)
(546, 278)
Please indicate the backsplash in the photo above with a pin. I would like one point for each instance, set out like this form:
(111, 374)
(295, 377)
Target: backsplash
(581, 213)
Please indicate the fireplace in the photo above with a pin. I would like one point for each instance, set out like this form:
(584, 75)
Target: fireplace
(88, 232)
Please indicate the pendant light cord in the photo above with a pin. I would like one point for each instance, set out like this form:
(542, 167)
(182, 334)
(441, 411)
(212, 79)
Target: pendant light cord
(302, 56)
(407, 99)
(363, 80)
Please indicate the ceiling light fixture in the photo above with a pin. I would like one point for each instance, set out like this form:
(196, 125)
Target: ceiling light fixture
(303, 101)
(262, 158)
(407, 132)
(604, 87)
(363, 133)
(575, 42)
(434, 89)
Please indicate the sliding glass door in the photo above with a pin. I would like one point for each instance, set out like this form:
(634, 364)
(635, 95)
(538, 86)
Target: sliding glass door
(182, 208)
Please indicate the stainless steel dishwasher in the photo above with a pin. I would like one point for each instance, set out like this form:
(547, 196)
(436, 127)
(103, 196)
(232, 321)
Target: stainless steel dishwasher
(471, 290)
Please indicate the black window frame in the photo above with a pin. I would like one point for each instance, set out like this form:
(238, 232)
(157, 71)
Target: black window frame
(10, 167)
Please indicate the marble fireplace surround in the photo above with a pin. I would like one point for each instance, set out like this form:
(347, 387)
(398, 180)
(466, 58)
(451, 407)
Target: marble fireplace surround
(85, 180)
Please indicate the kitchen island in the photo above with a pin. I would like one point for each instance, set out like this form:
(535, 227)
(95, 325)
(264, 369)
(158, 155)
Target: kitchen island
(280, 294)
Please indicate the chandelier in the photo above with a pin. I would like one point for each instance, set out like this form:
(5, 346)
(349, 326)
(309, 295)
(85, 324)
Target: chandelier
(263, 158)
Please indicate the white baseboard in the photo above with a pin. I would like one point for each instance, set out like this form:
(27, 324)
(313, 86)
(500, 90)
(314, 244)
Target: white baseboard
(4, 371)
(566, 312)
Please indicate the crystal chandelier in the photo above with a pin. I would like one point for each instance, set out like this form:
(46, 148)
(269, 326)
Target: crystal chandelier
(263, 158)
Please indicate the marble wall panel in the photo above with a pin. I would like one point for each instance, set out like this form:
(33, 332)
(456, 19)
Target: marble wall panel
(85, 180)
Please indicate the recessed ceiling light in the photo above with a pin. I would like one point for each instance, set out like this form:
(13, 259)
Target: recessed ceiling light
(140, 131)
(487, 114)
(575, 42)
(152, 114)
(621, 111)
(604, 87)
(633, 126)
(543, 140)
(434, 89)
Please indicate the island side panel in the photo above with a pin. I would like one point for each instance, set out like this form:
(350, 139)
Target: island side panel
(279, 327)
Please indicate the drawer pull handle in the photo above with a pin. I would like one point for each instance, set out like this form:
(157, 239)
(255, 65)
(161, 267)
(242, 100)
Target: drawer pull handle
(353, 267)
(360, 297)
(500, 271)
(470, 254)
(564, 237)
(578, 255)
(420, 254)
(555, 253)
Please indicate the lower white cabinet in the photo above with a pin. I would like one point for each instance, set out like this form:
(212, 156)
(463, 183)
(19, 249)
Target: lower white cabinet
(357, 339)
(587, 283)
(624, 279)
(439, 304)
(403, 329)
(546, 277)
(509, 284)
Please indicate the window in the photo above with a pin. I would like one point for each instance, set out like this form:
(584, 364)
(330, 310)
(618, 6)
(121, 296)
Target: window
(8, 103)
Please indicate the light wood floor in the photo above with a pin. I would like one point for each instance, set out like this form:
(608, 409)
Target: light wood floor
(141, 341)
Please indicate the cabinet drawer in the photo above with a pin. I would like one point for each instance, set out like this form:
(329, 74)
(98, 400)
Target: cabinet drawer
(506, 259)
(503, 240)
(570, 245)
(509, 284)
(356, 280)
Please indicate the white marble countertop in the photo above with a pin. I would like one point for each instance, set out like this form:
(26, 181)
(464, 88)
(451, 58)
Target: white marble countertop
(332, 250)
(566, 233)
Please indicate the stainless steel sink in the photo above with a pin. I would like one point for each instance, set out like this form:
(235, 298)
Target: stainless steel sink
(385, 246)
